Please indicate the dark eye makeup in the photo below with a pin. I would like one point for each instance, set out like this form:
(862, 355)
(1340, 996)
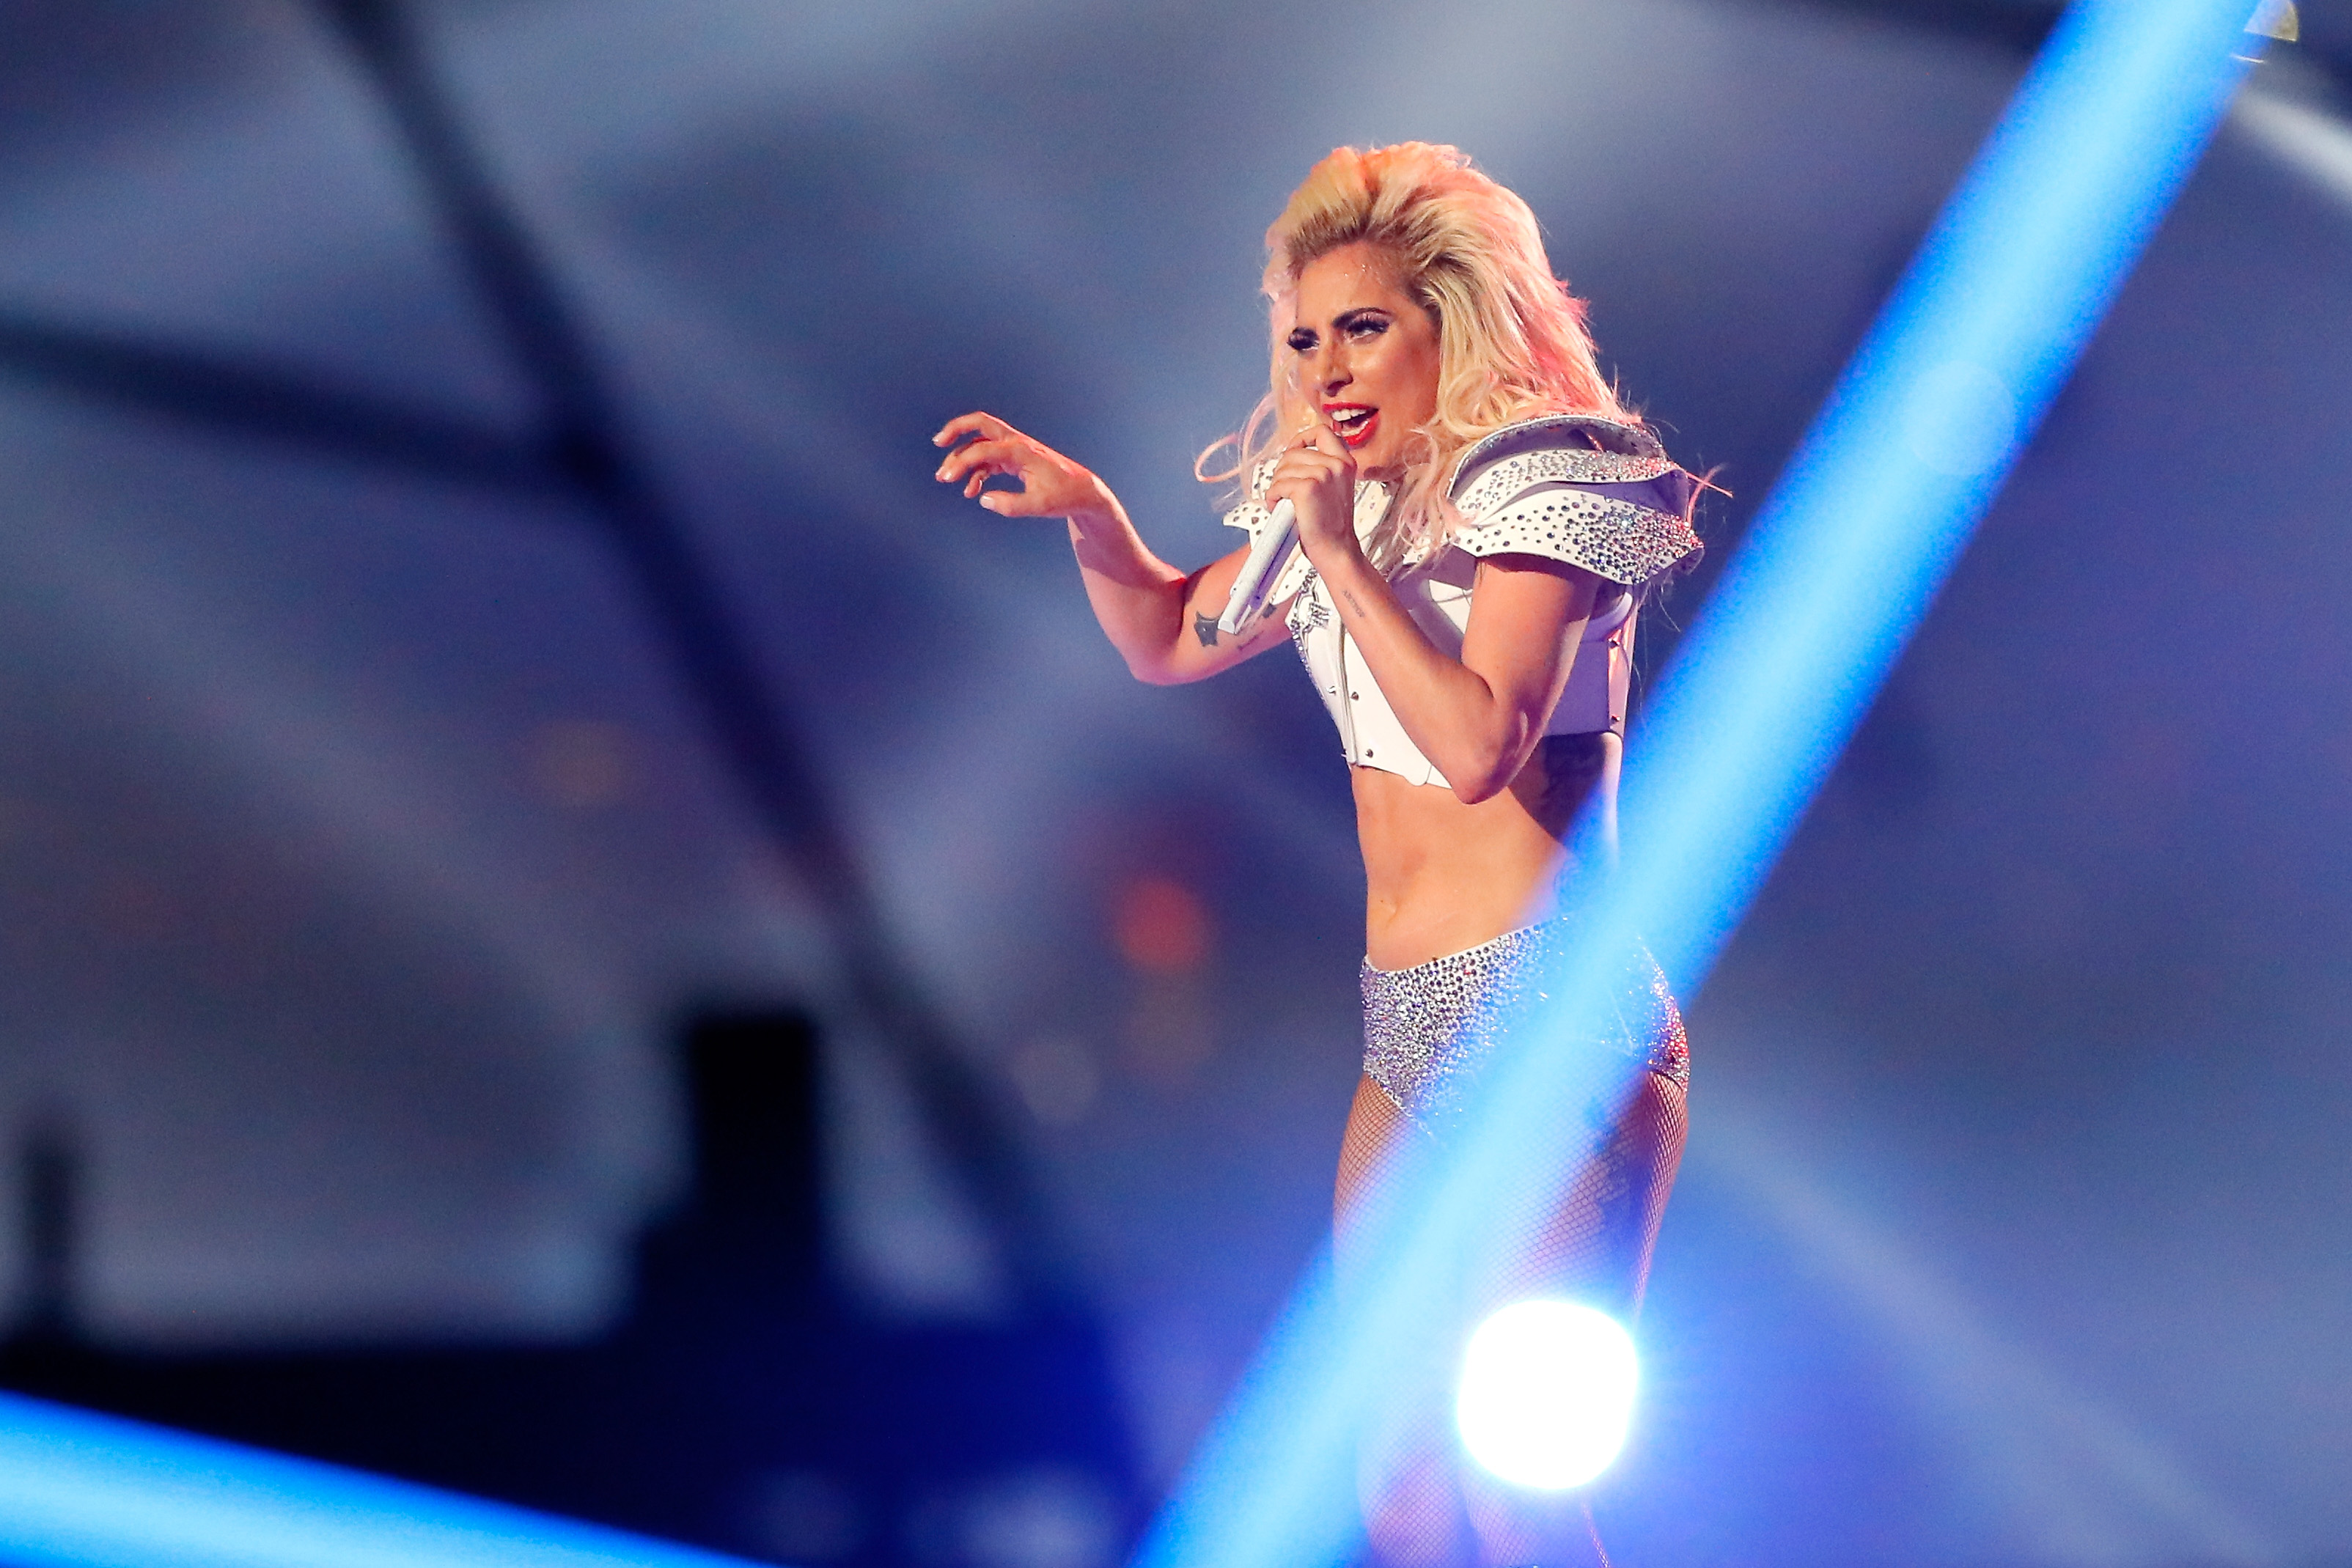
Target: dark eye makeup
(1365, 323)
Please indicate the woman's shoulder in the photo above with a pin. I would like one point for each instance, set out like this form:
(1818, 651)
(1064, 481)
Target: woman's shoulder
(1570, 447)
(1598, 492)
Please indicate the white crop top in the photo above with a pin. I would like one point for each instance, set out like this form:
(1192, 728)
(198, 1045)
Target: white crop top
(1589, 492)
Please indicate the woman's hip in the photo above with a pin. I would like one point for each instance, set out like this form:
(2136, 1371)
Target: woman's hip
(1430, 1029)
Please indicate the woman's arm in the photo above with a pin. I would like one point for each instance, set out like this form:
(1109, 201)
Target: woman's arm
(1163, 621)
(1477, 718)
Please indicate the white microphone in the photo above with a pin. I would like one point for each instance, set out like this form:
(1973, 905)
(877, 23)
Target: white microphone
(1269, 553)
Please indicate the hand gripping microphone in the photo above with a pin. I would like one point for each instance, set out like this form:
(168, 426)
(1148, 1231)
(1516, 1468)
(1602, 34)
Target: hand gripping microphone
(1270, 552)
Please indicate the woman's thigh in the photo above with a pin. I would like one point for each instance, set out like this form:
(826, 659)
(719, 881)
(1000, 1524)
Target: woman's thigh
(1585, 1232)
(1375, 1129)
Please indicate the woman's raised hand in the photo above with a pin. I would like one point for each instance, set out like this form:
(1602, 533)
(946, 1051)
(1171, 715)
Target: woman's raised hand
(1051, 484)
(1316, 475)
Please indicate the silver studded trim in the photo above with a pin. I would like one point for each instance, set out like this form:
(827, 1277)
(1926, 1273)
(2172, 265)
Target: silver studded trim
(1608, 537)
(1498, 482)
(1429, 1027)
(1309, 615)
(1578, 432)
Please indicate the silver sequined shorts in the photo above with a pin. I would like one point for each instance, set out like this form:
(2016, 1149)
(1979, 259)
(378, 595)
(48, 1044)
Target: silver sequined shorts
(1428, 1027)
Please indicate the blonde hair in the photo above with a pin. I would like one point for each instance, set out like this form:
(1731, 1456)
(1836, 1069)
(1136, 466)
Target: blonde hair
(1512, 343)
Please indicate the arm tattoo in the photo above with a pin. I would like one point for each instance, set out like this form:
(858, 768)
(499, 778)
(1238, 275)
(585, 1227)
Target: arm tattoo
(1204, 627)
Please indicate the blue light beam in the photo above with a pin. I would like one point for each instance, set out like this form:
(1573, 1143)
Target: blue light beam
(83, 1491)
(1874, 509)
(1915, 440)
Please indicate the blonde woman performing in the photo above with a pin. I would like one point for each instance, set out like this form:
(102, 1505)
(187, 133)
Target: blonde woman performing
(1479, 518)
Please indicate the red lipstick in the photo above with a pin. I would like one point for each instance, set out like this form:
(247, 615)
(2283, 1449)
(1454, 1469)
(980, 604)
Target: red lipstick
(1352, 421)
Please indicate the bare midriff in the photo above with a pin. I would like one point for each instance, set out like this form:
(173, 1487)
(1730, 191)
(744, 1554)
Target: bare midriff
(1440, 876)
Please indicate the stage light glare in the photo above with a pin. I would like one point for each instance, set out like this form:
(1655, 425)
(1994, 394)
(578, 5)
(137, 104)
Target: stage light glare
(79, 1489)
(1868, 516)
(1547, 1392)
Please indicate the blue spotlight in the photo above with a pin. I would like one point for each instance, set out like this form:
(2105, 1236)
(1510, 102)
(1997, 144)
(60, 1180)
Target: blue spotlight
(1546, 1394)
(1917, 435)
(81, 1490)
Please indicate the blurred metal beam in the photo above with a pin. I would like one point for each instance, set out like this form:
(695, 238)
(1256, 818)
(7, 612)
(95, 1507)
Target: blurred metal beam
(590, 443)
(582, 452)
(2021, 26)
(232, 395)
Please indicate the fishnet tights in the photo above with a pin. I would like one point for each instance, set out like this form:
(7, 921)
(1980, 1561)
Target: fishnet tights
(1588, 1237)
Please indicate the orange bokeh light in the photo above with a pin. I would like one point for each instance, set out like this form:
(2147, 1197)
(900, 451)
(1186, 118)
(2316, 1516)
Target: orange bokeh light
(1160, 925)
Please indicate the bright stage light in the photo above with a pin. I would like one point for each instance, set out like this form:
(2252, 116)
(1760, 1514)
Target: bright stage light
(78, 1489)
(1547, 1391)
(1868, 518)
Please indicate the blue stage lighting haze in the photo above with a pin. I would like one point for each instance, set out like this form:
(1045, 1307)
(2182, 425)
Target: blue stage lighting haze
(1837, 569)
(1917, 435)
(79, 1491)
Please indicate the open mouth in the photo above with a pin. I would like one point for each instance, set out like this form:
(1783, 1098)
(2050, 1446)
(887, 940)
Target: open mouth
(1352, 421)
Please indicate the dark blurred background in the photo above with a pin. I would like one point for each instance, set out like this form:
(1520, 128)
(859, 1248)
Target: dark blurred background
(572, 926)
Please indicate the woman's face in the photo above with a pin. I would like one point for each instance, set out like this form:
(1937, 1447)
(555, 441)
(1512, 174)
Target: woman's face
(1364, 352)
